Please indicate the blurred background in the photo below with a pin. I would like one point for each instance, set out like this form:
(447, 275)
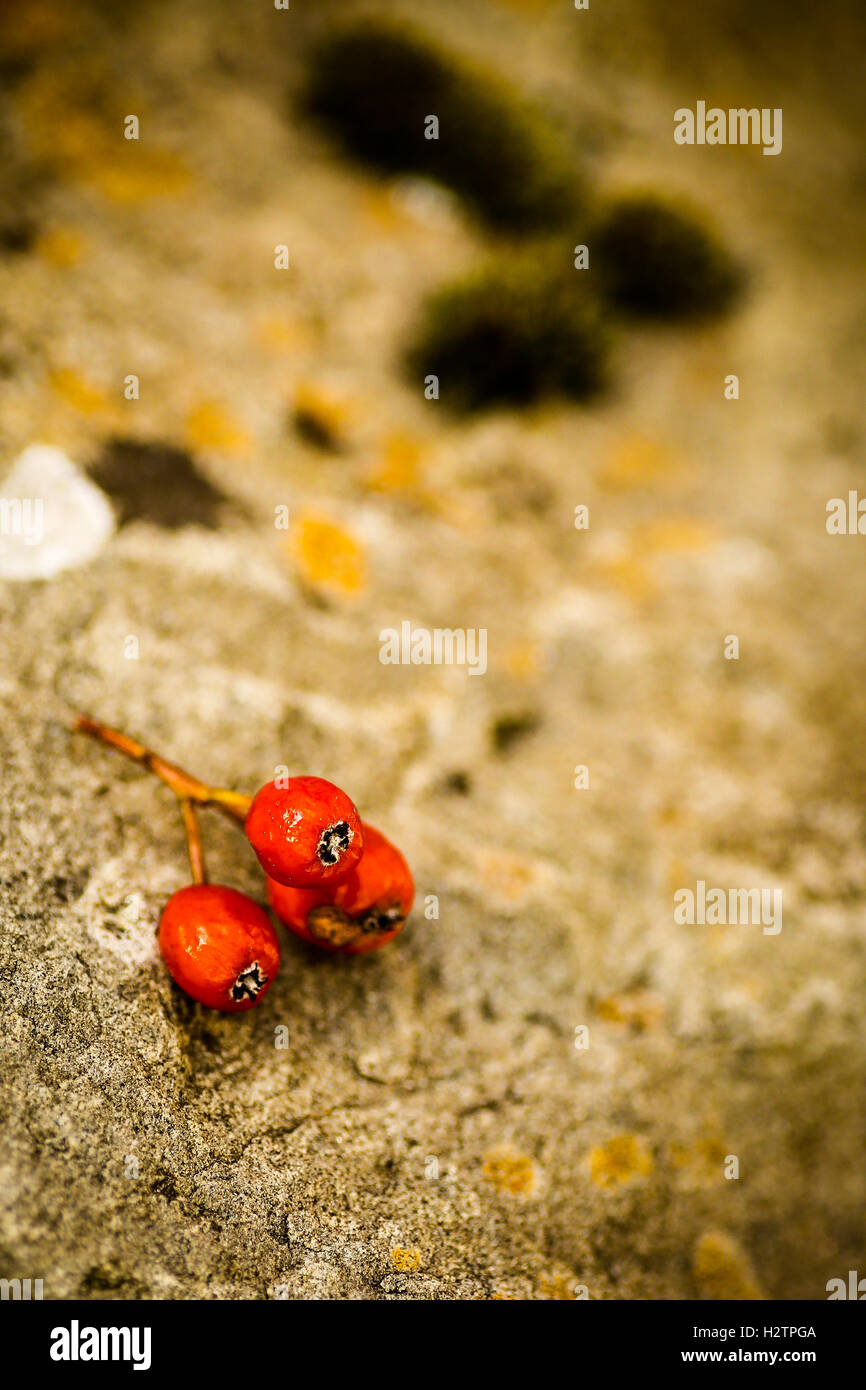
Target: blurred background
(228, 322)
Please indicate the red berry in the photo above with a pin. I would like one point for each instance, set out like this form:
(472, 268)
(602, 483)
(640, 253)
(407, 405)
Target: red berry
(306, 834)
(219, 946)
(362, 912)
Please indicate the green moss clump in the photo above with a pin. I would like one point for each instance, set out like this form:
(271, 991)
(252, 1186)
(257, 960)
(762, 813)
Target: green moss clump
(508, 334)
(374, 83)
(655, 261)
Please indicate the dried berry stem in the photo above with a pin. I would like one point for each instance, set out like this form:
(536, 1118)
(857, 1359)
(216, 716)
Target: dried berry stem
(193, 841)
(182, 783)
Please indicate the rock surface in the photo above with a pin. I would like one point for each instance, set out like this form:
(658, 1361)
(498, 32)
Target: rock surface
(426, 1122)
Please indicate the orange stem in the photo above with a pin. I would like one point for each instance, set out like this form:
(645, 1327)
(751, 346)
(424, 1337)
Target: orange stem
(182, 783)
(193, 841)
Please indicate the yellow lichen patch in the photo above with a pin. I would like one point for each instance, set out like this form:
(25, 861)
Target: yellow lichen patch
(138, 173)
(406, 1261)
(281, 335)
(557, 1288)
(703, 1160)
(677, 872)
(507, 877)
(208, 426)
(639, 462)
(400, 466)
(400, 470)
(629, 574)
(722, 1268)
(74, 122)
(529, 6)
(622, 1159)
(77, 391)
(639, 1011)
(59, 248)
(523, 661)
(632, 561)
(327, 557)
(676, 535)
(322, 415)
(29, 24)
(511, 1172)
(382, 207)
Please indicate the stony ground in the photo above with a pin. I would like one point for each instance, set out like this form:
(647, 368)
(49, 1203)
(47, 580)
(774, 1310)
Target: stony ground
(420, 1123)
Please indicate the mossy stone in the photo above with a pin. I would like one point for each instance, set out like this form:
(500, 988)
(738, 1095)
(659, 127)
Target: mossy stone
(375, 84)
(510, 333)
(657, 260)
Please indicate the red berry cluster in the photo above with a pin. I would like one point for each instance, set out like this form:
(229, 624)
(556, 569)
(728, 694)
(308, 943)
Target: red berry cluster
(333, 880)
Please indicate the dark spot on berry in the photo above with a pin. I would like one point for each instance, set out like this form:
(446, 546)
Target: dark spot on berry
(334, 842)
(249, 983)
(458, 782)
(159, 483)
(382, 920)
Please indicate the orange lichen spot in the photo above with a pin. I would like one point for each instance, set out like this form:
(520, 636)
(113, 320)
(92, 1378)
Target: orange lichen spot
(722, 1268)
(523, 661)
(406, 1261)
(73, 120)
(557, 1288)
(77, 391)
(677, 535)
(327, 557)
(400, 470)
(507, 876)
(639, 462)
(133, 173)
(629, 574)
(59, 248)
(678, 872)
(382, 208)
(511, 1171)
(638, 1011)
(634, 561)
(278, 334)
(29, 24)
(622, 1159)
(702, 1160)
(208, 426)
(529, 6)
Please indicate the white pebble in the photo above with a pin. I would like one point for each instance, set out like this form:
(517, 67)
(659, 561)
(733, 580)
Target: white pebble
(52, 517)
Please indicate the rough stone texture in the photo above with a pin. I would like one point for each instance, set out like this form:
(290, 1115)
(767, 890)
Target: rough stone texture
(430, 1130)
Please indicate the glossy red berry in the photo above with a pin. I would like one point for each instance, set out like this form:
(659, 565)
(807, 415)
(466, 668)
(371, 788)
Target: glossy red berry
(362, 912)
(307, 834)
(219, 946)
